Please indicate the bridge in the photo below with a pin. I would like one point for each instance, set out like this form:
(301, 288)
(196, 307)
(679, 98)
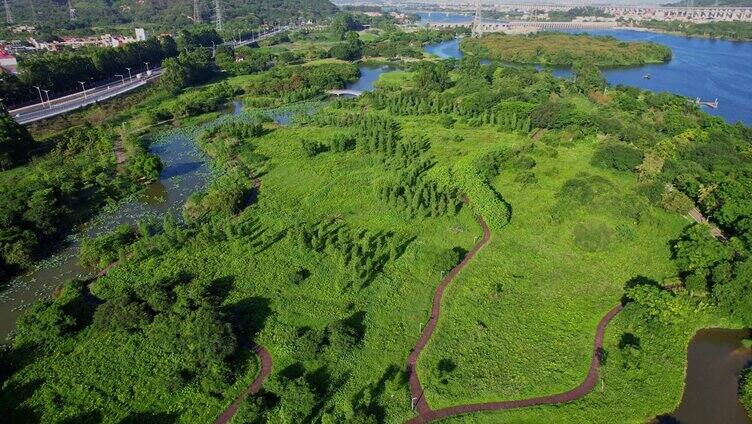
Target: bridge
(639, 12)
(346, 93)
(524, 26)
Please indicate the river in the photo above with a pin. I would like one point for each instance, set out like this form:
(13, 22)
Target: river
(185, 172)
(704, 68)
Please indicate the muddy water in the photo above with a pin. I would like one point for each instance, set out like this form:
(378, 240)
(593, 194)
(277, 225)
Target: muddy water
(185, 172)
(715, 359)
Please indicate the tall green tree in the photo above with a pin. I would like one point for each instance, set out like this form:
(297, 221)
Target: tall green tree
(15, 141)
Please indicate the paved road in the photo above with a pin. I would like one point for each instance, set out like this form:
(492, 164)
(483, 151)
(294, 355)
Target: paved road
(61, 105)
(78, 100)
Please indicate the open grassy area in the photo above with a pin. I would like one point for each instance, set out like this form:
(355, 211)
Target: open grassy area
(520, 321)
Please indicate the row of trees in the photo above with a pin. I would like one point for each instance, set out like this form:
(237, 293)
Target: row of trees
(410, 192)
(362, 253)
(61, 72)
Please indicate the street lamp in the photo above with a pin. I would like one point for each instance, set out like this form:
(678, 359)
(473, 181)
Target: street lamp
(47, 94)
(122, 78)
(83, 88)
(130, 77)
(41, 99)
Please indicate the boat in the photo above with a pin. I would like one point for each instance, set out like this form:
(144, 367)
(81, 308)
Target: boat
(647, 76)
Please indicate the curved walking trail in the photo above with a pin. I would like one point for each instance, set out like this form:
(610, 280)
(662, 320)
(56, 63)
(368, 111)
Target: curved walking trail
(266, 369)
(426, 414)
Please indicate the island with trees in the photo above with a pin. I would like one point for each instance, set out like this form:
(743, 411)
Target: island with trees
(559, 49)
(540, 211)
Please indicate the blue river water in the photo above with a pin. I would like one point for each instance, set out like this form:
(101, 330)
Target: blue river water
(708, 69)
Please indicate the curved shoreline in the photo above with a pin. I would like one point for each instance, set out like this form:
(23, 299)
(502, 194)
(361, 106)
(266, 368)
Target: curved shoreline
(421, 406)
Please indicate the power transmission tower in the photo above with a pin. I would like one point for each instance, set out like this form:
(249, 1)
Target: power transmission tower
(477, 22)
(71, 11)
(33, 12)
(218, 15)
(196, 13)
(8, 16)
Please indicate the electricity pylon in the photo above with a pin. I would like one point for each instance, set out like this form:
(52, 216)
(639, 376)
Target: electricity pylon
(477, 22)
(218, 15)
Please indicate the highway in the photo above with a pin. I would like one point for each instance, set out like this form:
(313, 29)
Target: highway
(61, 105)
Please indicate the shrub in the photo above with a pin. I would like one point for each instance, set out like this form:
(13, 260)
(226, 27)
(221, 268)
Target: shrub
(102, 250)
(676, 201)
(620, 157)
(745, 389)
(592, 236)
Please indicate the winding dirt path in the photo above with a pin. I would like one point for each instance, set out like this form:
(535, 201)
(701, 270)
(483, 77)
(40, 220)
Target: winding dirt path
(426, 414)
(266, 369)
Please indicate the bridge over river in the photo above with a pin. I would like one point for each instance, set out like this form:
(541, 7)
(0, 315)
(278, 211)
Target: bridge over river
(525, 26)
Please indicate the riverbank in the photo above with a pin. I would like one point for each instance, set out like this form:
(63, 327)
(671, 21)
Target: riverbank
(713, 31)
(562, 49)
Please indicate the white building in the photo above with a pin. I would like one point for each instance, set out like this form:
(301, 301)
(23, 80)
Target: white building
(141, 34)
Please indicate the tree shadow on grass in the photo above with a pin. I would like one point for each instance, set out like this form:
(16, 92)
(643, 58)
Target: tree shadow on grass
(11, 398)
(248, 317)
(150, 418)
(90, 417)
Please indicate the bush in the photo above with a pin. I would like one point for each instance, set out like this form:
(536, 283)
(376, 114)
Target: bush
(745, 389)
(620, 157)
(102, 250)
(676, 201)
(593, 236)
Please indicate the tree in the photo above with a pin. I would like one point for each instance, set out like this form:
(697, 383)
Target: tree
(15, 141)
(187, 69)
(342, 24)
(697, 251)
(620, 157)
(587, 77)
(432, 76)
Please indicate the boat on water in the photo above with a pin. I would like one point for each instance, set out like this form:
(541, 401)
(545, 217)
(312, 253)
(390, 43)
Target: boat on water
(647, 76)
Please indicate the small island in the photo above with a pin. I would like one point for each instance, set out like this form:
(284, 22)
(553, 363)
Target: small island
(558, 49)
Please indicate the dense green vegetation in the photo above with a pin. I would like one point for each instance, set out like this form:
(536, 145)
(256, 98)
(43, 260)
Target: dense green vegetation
(565, 49)
(53, 17)
(723, 30)
(324, 239)
(569, 15)
(72, 176)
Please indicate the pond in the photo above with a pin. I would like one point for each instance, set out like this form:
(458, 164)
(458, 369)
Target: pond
(185, 172)
(369, 74)
(715, 359)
